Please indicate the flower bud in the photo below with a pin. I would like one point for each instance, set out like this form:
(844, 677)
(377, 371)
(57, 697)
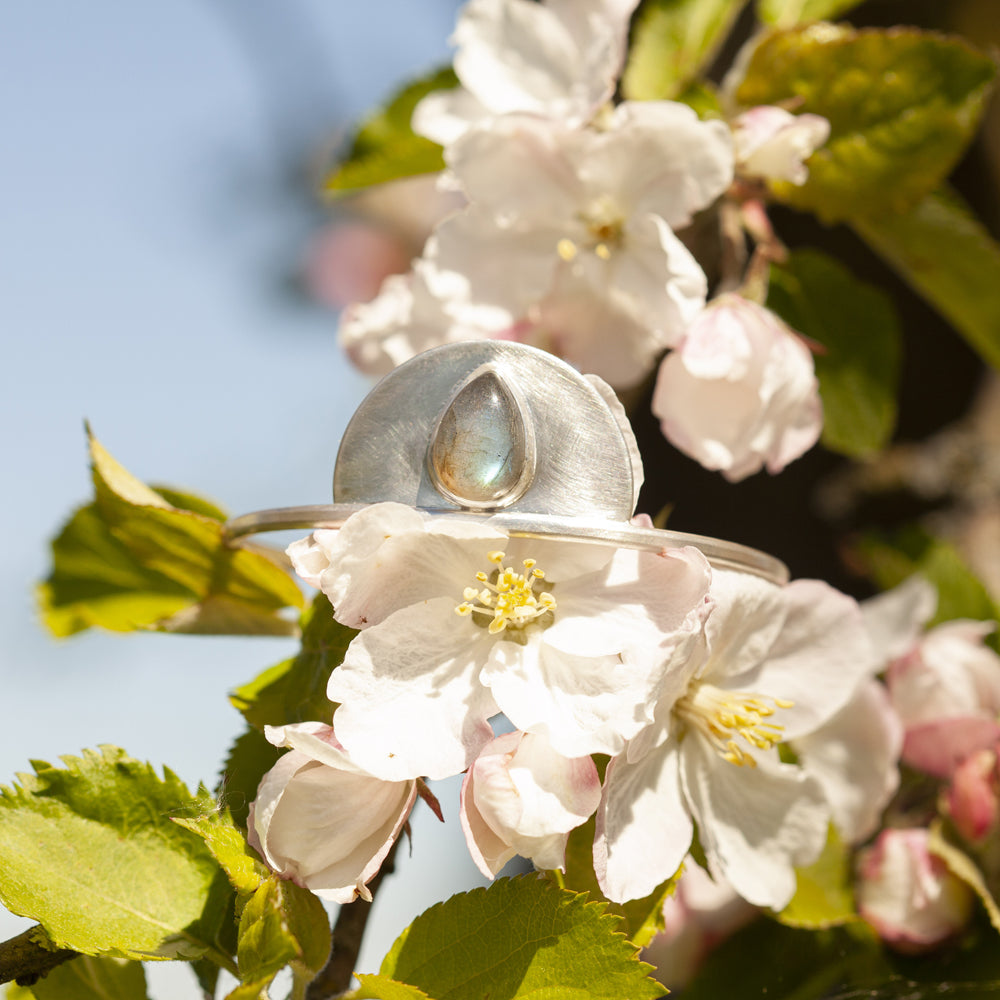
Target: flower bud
(972, 797)
(907, 894)
(321, 821)
(521, 797)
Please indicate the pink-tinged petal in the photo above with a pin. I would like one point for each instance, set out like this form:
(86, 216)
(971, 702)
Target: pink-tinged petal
(896, 618)
(316, 740)
(665, 160)
(756, 824)
(908, 895)
(818, 660)
(644, 828)
(327, 829)
(973, 797)
(410, 701)
(529, 798)
(855, 758)
(740, 392)
(938, 747)
(773, 144)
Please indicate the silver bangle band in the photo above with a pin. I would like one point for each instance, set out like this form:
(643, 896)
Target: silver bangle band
(721, 554)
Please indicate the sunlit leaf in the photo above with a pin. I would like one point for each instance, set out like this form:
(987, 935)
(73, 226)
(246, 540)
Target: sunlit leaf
(519, 938)
(90, 852)
(385, 148)
(91, 978)
(788, 13)
(902, 105)
(823, 896)
(249, 759)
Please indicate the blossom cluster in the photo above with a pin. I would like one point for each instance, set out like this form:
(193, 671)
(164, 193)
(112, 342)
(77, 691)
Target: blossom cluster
(574, 226)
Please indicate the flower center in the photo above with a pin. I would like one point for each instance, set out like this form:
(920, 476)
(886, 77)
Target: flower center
(721, 716)
(506, 596)
(604, 224)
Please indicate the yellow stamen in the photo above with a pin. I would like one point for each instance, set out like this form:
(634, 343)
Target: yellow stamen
(720, 716)
(509, 600)
(566, 249)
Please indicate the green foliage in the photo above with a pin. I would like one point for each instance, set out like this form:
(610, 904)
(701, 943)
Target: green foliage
(858, 368)
(133, 560)
(672, 40)
(823, 896)
(385, 148)
(890, 559)
(229, 847)
(642, 918)
(902, 105)
(381, 988)
(90, 852)
(788, 13)
(282, 924)
(965, 869)
(250, 758)
(295, 689)
(90, 978)
(947, 255)
(519, 938)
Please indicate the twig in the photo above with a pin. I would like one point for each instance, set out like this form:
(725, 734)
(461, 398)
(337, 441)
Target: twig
(334, 978)
(29, 956)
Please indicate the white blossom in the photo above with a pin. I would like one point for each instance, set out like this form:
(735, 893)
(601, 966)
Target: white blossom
(740, 392)
(521, 797)
(322, 821)
(458, 621)
(557, 59)
(777, 664)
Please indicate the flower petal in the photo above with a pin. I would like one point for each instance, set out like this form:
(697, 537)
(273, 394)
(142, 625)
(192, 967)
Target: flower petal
(411, 701)
(644, 828)
(756, 824)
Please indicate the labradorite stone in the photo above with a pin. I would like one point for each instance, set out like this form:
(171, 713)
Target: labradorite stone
(479, 450)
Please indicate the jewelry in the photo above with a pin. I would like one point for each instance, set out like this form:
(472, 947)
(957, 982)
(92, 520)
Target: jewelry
(498, 429)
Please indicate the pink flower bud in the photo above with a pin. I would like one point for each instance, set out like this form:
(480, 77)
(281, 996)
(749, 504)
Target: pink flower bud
(321, 821)
(972, 797)
(907, 894)
(740, 392)
(521, 797)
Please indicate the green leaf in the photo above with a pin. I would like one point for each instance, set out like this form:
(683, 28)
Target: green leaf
(381, 988)
(643, 918)
(823, 896)
(946, 255)
(890, 559)
(902, 105)
(282, 924)
(519, 938)
(788, 13)
(672, 40)
(385, 148)
(229, 847)
(295, 690)
(90, 852)
(133, 560)
(856, 324)
(89, 978)
(250, 758)
(963, 868)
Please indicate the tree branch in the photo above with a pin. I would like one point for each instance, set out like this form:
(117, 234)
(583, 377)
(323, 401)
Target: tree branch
(29, 956)
(334, 978)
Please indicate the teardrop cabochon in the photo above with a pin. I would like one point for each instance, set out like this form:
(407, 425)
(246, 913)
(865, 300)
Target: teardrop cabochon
(487, 425)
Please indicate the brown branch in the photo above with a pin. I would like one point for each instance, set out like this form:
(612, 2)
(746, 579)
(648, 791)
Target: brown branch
(334, 978)
(29, 956)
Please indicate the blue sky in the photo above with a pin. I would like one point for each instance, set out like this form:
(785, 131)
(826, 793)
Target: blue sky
(154, 205)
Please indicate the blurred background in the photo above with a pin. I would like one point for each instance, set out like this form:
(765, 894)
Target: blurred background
(167, 273)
